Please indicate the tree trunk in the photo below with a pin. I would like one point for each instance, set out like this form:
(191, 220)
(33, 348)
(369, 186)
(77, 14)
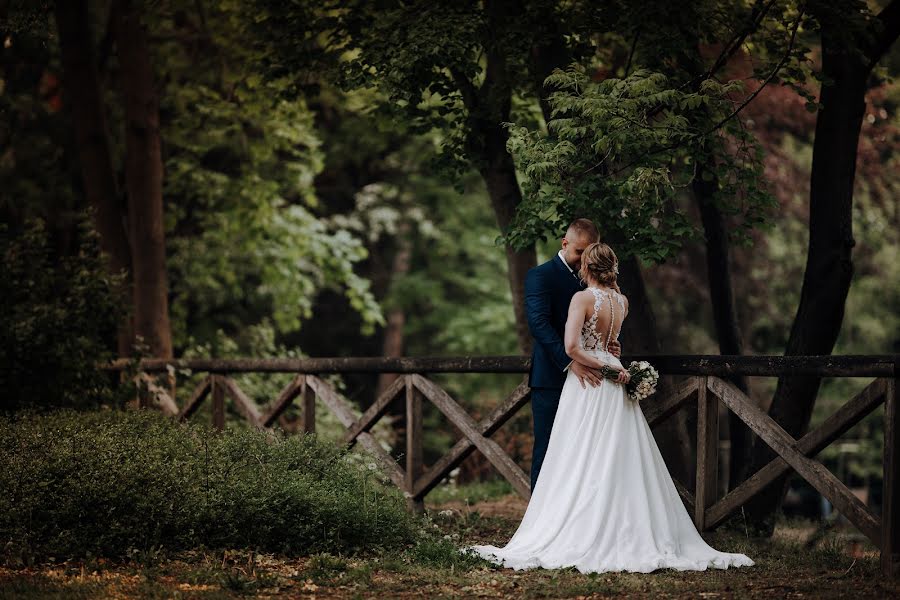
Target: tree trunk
(829, 268)
(548, 54)
(83, 94)
(503, 188)
(721, 297)
(392, 346)
(489, 108)
(143, 178)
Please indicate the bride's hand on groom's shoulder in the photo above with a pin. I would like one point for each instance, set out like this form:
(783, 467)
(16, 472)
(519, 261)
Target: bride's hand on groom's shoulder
(615, 348)
(586, 374)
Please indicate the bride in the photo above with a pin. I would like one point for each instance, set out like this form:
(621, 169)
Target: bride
(605, 500)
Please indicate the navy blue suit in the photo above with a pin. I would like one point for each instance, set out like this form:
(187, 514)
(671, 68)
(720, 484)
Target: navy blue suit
(548, 291)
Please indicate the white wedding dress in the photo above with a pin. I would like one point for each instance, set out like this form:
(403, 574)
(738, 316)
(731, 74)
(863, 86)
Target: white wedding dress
(604, 500)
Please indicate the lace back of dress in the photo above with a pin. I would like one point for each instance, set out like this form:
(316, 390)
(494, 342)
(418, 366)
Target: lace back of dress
(591, 338)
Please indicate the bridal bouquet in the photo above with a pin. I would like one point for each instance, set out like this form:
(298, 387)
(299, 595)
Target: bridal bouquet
(643, 379)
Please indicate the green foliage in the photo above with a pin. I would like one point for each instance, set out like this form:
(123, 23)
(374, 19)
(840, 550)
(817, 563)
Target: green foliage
(58, 319)
(424, 58)
(621, 151)
(36, 158)
(246, 245)
(621, 148)
(471, 493)
(116, 484)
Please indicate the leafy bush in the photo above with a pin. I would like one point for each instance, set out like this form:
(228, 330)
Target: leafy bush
(58, 318)
(117, 483)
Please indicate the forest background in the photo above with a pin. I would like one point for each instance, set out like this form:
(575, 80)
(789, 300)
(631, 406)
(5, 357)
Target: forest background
(374, 179)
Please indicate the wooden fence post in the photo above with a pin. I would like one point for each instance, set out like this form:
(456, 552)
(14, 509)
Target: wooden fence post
(308, 415)
(707, 452)
(218, 403)
(414, 465)
(890, 508)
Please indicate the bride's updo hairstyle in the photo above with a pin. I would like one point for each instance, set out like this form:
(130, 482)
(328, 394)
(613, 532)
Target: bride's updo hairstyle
(599, 262)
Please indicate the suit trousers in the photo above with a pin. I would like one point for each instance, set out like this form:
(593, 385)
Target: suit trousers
(544, 402)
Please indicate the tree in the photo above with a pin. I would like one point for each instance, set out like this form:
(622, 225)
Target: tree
(85, 97)
(133, 237)
(471, 68)
(143, 181)
(853, 42)
(250, 242)
(461, 67)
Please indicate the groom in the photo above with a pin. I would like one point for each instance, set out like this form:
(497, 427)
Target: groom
(548, 289)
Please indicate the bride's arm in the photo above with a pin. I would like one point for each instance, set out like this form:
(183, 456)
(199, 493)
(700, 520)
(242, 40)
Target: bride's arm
(577, 309)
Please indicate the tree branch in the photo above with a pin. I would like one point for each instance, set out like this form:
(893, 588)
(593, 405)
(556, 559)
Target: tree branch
(637, 34)
(756, 16)
(466, 88)
(736, 111)
(768, 79)
(889, 19)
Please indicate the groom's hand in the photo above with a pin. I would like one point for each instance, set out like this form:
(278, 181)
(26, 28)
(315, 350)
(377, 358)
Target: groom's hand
(584, 373)
(615, 348)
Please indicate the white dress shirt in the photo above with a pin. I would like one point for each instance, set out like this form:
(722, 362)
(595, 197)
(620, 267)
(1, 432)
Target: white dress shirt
(563, 259)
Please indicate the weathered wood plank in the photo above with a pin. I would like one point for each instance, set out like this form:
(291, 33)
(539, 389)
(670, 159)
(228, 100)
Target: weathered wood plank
(722, 366)
(197, 398)
(242, 402)
(152, 394)
(836, 425)
(464, 447)
(813, 472)
(339, 405)
(772, 366)
(283, 401)
(707, 453)
(308, 415)
(376, 411)
(414, 459)
(361, 364)
(218, 403)
(491, 450)
(890, 507)
(656, 410)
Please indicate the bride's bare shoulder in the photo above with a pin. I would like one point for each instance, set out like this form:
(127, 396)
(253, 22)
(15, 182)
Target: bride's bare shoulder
(582, 298)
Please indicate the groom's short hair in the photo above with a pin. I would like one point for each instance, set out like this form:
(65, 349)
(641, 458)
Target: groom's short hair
(584, 227)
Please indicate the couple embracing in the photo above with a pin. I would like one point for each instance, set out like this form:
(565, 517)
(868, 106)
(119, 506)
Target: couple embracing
(602, 498)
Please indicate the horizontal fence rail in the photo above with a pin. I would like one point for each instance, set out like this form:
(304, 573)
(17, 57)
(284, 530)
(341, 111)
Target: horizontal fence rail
(879, 365)
(705, 384)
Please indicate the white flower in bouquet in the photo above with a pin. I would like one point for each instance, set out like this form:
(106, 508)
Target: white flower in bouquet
(643, 380)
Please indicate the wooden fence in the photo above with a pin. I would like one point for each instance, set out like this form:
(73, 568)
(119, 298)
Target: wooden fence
(704, 382)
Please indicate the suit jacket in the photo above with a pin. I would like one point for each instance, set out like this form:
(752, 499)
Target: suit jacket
(548, 290)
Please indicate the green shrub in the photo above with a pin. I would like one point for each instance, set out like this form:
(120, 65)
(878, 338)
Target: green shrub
(115, 484)
(59, 315)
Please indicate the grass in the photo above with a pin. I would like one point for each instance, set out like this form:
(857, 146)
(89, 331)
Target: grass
(472, 493)
(433, 568)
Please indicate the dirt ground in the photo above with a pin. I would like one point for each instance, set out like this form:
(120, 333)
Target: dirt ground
(787, 567)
